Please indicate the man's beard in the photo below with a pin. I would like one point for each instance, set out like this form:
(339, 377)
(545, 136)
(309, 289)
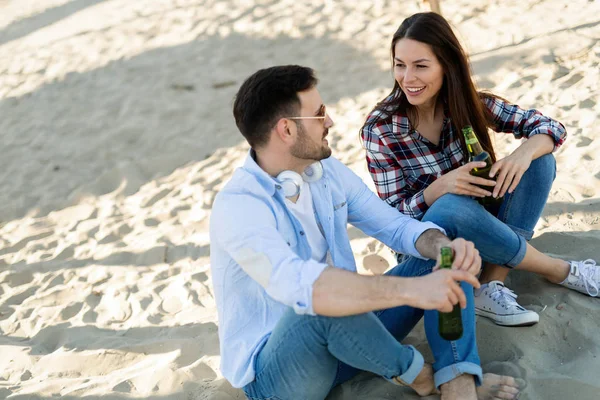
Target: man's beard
(306, 149)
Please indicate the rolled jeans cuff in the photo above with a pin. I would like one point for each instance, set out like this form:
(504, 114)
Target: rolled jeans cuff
(413, 370)
(516, 260)
(522, 232)
(453, 371)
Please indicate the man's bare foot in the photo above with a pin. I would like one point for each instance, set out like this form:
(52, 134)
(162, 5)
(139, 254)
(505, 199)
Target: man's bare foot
(498, 387)
(423, 383)
(460, 388)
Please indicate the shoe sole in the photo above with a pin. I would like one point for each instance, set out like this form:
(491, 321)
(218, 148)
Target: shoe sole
(509, 320)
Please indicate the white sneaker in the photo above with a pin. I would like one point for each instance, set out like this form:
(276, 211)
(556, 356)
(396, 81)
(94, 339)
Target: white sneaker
(584, 277)
(495, 301)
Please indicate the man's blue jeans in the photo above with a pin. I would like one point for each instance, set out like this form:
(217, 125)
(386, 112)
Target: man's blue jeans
(306, 356)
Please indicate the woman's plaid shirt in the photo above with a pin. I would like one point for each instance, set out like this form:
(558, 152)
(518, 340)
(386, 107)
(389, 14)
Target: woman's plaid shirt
(403, 163)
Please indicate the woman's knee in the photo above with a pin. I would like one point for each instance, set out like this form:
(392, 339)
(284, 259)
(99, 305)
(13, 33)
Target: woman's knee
(543, 167)
(448, 207)
(455, 213)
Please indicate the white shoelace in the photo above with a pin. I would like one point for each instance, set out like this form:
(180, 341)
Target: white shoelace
(509, 297)
(587, 270)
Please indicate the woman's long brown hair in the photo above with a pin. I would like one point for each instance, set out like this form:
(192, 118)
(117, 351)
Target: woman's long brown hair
(458, 92)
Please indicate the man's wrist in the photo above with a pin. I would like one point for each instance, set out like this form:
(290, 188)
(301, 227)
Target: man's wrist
(442, 241)
(402, 292)
(430, 242)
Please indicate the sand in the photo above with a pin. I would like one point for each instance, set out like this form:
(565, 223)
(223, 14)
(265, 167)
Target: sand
(116, 134)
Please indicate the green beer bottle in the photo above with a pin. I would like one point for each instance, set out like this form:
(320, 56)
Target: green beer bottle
(476, 153)
(450, 324)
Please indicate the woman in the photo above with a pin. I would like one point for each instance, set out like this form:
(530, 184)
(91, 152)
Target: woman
(417, 158)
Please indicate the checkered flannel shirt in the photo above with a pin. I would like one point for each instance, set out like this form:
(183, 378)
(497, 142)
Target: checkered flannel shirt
(403, 163)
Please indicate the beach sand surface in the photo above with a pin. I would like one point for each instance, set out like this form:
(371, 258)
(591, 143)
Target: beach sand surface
(116, 134)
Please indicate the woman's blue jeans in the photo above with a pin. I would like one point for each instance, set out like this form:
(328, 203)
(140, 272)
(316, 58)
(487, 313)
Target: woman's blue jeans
(500, 240)
(306, 356)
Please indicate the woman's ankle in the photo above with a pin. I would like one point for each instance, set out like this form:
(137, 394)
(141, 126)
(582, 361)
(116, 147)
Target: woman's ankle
(492, 272)
(560, 272)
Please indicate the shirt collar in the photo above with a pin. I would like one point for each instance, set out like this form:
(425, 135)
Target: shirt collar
(265, 180)
(401, 124)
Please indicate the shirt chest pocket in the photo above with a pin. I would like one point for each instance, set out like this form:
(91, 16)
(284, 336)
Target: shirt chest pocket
(339, 206)
(340, 212)
(338, 200)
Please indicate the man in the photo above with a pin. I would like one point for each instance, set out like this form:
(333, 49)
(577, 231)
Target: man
(295, 319)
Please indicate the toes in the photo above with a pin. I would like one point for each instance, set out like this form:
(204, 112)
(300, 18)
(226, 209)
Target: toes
(506, 396)
(508, 381)
(499, 387)
(509, 389)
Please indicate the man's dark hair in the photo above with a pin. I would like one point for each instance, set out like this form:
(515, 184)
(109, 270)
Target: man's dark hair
(268, 95)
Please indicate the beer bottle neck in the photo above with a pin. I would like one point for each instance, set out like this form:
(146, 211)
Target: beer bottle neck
(473, 146)
(446, 258)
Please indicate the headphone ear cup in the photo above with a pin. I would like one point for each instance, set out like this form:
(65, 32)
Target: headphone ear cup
(290, 182)
(313, 172)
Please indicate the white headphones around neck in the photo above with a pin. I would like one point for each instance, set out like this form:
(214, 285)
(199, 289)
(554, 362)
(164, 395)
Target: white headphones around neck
(291, 181)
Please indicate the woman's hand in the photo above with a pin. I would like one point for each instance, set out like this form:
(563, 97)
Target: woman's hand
(460, 181)
(510, 170)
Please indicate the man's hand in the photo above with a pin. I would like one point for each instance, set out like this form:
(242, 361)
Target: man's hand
(439, 290)
(466, 257)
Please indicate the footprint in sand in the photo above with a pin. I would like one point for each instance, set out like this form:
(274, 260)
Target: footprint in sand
(587, 103)
(123, 387)
(24, 242)
(16, 279)
(375, 264)
(524, 81)
(71, 311)
(571, 81)
(114, 306)
(155, 198)
(18, 298)
(175, 211)
(584, 141)
(174, 297)
(65, 252)
(151, 222)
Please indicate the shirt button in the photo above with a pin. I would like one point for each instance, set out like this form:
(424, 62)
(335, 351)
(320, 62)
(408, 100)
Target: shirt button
(278, 187)
(302, 233)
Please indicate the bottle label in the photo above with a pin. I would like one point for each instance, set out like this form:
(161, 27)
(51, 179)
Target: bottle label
(471, 141)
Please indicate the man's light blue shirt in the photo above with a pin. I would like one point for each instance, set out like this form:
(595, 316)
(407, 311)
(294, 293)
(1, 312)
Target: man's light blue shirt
(261, 260)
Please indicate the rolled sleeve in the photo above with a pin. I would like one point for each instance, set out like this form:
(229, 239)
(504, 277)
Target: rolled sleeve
(310, 273)
(510, 118)
(414, 233)
(246, 229)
